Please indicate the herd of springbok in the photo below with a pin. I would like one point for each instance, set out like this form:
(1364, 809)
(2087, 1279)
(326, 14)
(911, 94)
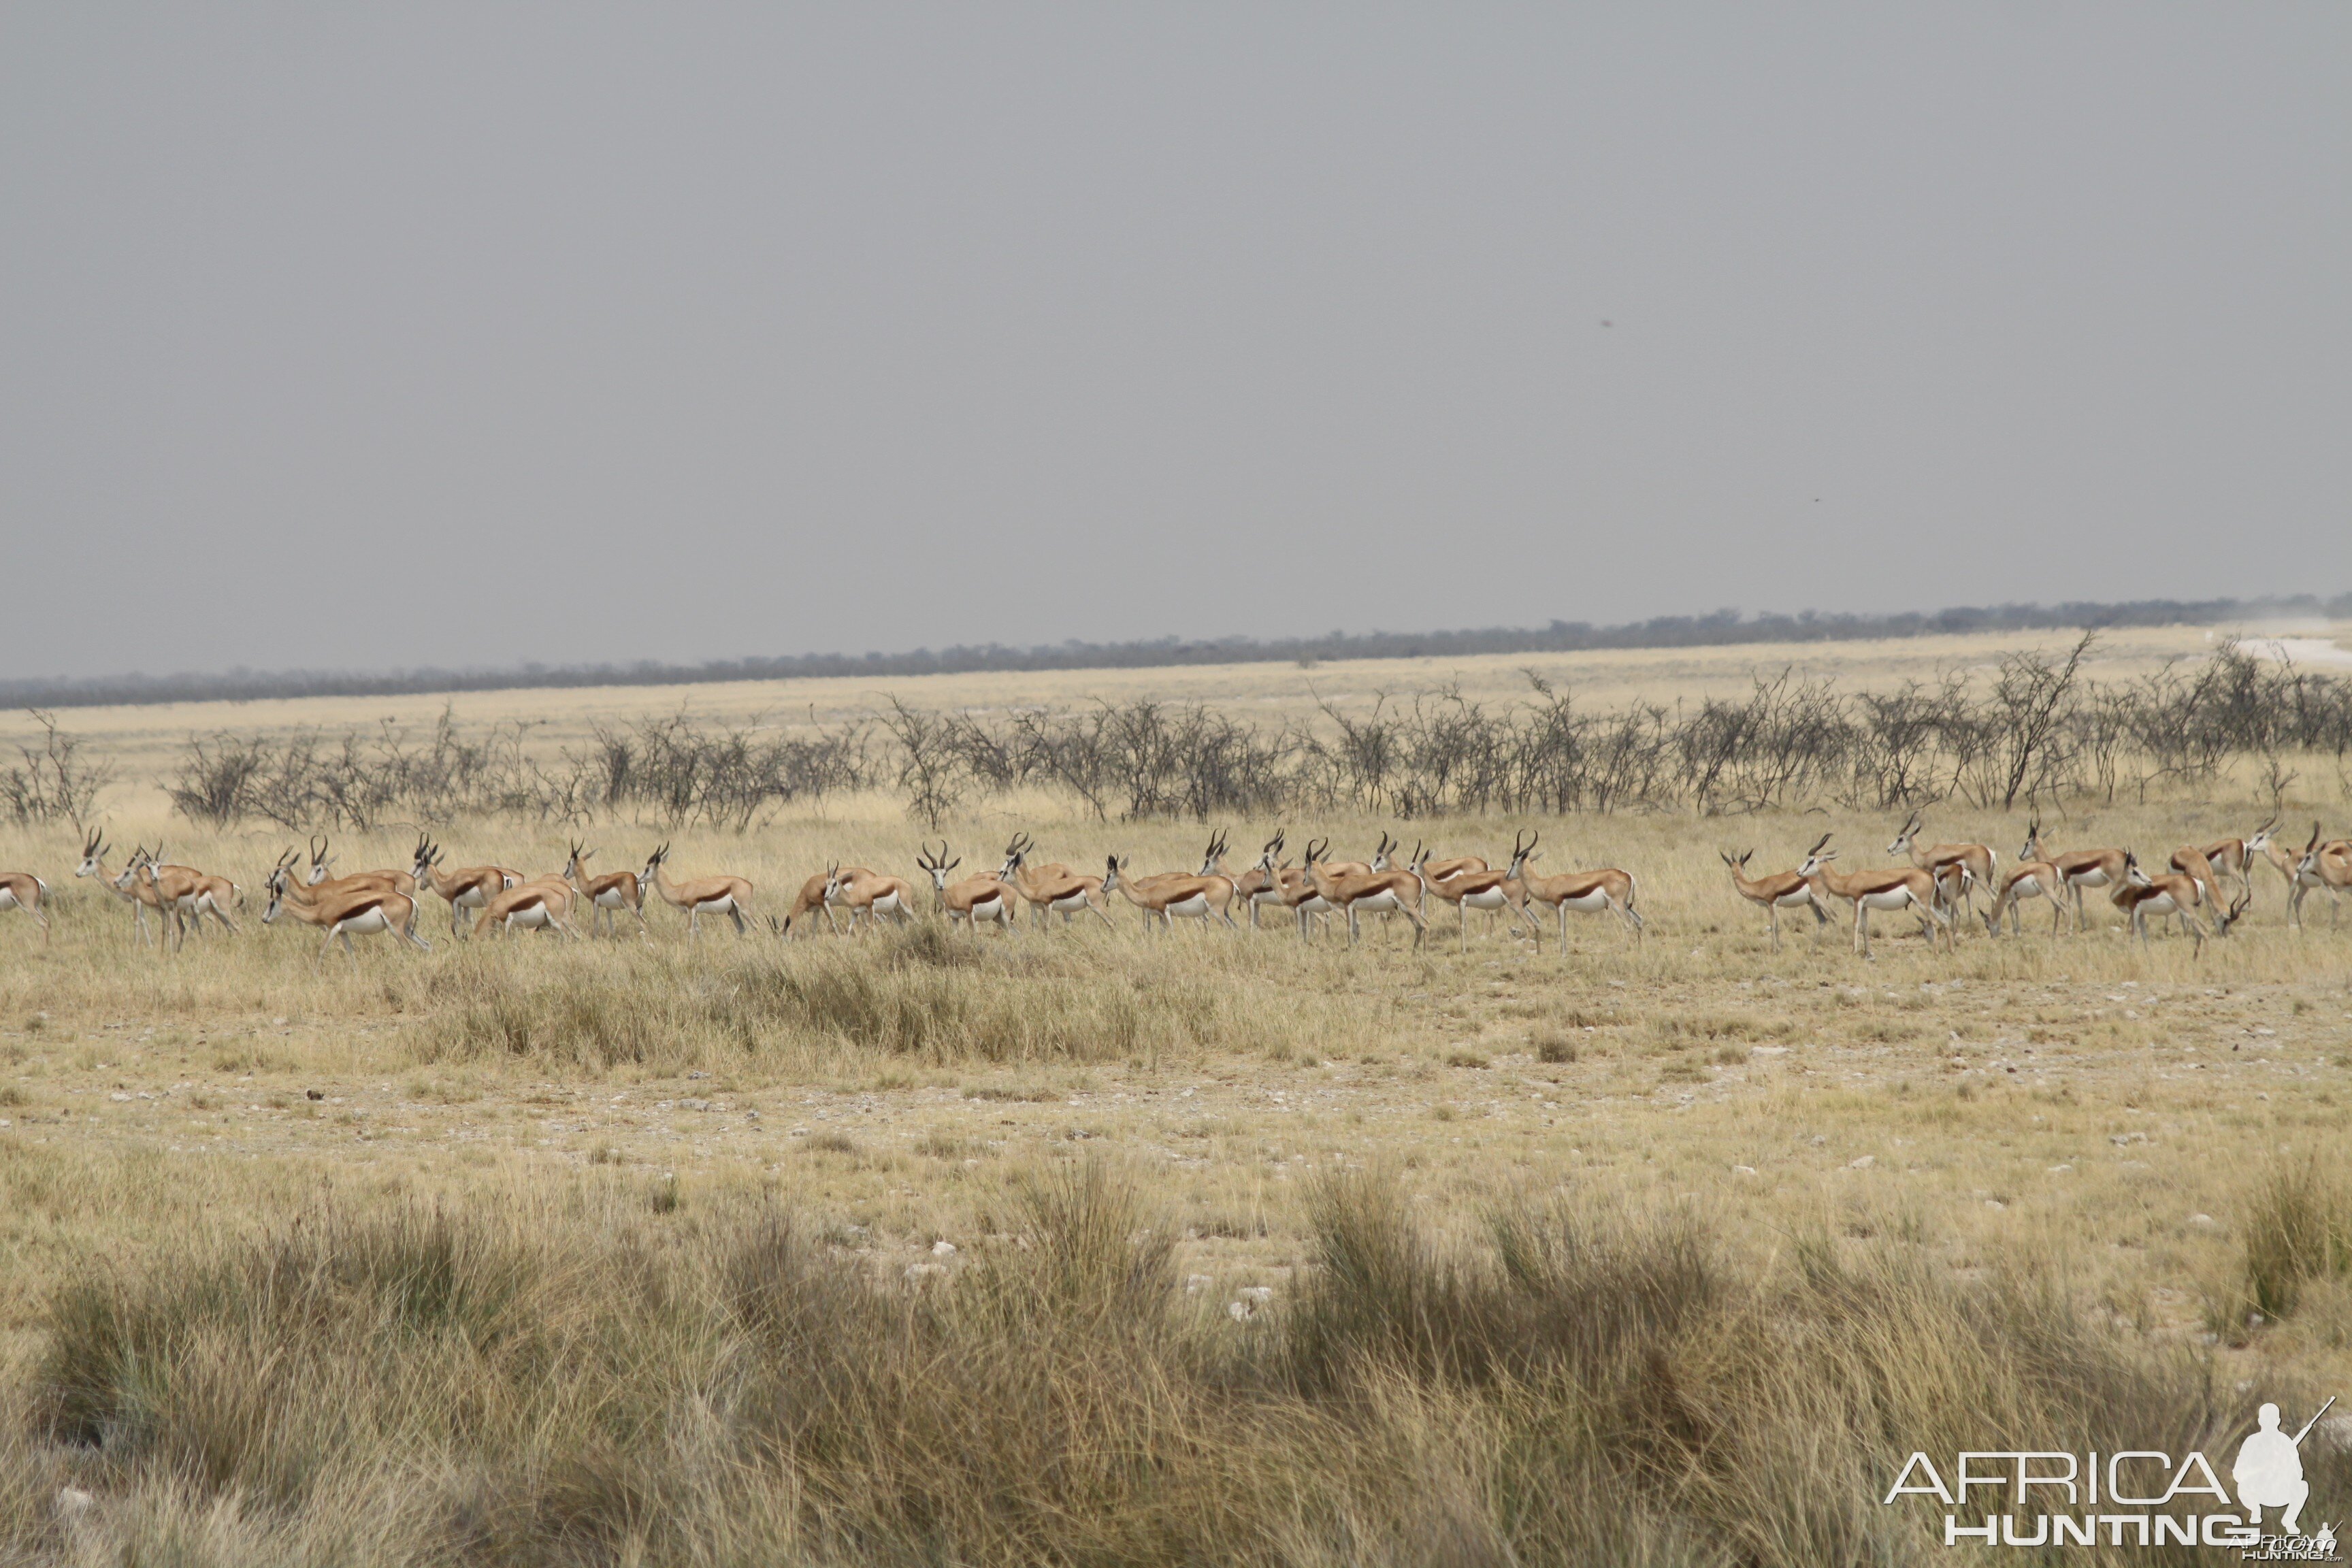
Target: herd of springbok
(1943, 877)
(1940, 881)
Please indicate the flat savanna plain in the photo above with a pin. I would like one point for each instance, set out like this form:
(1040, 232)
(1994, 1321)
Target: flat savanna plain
(2105, 1119)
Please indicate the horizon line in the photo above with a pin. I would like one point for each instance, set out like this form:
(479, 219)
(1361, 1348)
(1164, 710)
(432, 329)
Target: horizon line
(1720, 628)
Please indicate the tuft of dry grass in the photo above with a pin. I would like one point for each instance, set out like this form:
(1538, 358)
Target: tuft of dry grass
(2298, 1229)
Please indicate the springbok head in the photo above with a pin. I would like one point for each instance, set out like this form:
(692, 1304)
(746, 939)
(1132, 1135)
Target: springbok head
(93, 849)
(1270, 856)
(1015, 853)
(2310, 860)
(937, 867)
(1520, 854)
(1216, 854)
(1818, 857)
(2261, 841)
(1902, 840)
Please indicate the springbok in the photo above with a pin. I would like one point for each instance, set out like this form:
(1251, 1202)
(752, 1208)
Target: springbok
(320, 861)
(186, 896)
(2028, 879)
(360, 911)
(2081, 868)
(1444, 870)
(1373, 892)
(1587, 892)
(469, 888)
(1780, 891)
(813, 896)
(611, 893)
(2191, 861)
(869, 893)
(2328, 866)
(1046, 893)
(718, 895)
(2233, 857)
(2286, 862)
(1975, 863)
(1173, 893)
(1482, 889)
(543, 903)
(1896, 888)
(23, 890)
(2175, 893)
(977, 897)
(128, 886)
(1261, 883)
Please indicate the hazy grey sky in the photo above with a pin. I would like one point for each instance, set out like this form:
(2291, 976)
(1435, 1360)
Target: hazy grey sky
(371, 336)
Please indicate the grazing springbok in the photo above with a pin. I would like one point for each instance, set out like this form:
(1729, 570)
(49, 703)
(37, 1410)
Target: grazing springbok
(1894, 888)
(719, 895)
(1780, 891)
(2081, 867)
(2028, 879)
(2230, 858)
(1587, 892)
(1170, 894)
(1479, 888)
(342, 914)
(607, 895)
(2175, 893)
(873, 894)
(23, 890)
(977, 897)
(1048, 893)
(1372, 892)
(812, 897)
(1958, 868)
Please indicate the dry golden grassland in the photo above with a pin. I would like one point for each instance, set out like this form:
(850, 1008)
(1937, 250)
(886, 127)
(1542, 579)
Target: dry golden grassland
(1084, 1248)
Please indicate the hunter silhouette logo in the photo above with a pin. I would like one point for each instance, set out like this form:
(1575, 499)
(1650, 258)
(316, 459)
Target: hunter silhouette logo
(2269, 1472)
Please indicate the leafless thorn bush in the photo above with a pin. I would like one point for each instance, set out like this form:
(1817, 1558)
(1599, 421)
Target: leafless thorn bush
(53, 780)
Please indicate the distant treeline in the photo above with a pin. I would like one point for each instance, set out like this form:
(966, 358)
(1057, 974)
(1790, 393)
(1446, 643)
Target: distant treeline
(1721, 628)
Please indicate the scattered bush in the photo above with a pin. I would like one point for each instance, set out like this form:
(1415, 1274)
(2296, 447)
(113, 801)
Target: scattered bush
(52, 781)
(1554, 1047)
